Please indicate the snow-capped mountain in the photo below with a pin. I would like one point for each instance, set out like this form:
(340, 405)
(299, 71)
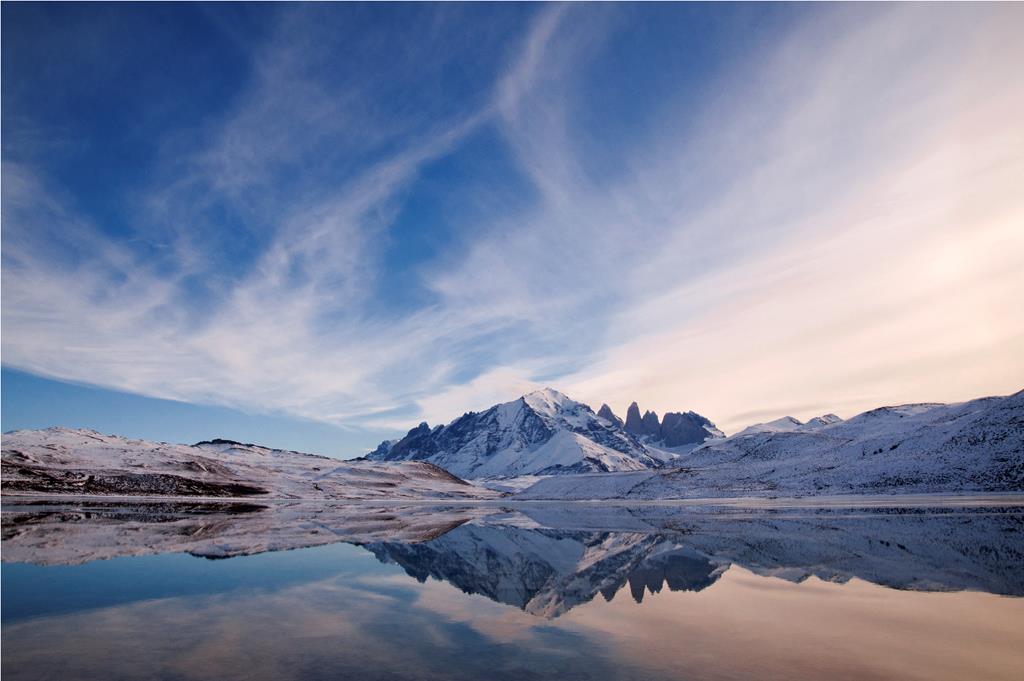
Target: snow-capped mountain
(83, 462)
(820, 421)
(788, 424)
(970, 446)
(543, 433)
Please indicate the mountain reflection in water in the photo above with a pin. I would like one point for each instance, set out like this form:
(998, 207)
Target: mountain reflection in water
(766, 570)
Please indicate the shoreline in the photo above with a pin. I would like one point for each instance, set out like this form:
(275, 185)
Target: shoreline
(962, 499)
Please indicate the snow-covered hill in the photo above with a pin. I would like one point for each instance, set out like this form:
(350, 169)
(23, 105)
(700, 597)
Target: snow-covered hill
(970, 446)
(788, 424)
(543, 433)
(69, 461)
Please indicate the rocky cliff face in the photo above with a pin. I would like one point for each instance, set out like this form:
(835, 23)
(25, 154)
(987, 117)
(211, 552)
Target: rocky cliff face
(681, 428)
(607, 414)
(651, 425)
(634, 422)
(675, 430)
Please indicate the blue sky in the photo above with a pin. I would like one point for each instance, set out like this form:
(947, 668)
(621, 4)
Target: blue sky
(316, 225)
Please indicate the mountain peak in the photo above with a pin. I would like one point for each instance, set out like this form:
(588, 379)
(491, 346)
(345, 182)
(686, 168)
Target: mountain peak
(544, 432)
(646, 425)
(821, 421)
(548, 400)
(779, 425)
(652, 424)
(607, 414)
(634, 422)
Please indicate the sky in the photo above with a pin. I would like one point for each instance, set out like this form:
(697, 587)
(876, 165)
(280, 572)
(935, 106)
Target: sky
(316, 225)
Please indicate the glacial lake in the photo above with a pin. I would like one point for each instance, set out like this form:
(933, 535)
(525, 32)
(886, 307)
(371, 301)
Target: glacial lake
(285, 590)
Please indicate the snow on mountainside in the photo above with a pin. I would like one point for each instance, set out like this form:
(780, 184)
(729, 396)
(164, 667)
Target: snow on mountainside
(819, 421)
(971, 446)
(788, 424)
(69, 461)
(780, 425)
(543, 433)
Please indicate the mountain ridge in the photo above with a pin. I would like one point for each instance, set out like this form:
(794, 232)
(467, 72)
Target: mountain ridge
(973, 446)
(544, 432)
(676, 429)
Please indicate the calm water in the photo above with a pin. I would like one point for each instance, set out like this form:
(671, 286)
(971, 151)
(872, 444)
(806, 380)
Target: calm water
(290, 591)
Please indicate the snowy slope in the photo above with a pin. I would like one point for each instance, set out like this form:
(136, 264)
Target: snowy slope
(67, 461)
(788, 424)
(820, 421)
(543, 433)
(971, 446)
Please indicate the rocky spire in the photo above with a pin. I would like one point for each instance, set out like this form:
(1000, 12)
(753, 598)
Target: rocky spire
(652, 426)
(606, 413)
(634, 423)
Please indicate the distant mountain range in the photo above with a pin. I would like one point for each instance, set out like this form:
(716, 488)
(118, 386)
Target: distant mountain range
(977, 445)
(547, 446)
(788, 424)
(547, 433)
(971, 446)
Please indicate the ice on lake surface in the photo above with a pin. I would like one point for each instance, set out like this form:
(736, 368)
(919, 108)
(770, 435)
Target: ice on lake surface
(281, 590)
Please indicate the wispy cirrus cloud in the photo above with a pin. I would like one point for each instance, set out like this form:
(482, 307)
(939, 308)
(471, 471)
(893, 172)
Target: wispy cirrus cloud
(833, 223)
(860, 234)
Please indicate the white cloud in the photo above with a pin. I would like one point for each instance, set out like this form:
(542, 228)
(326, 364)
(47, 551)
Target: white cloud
(809, 280)
(838, 226)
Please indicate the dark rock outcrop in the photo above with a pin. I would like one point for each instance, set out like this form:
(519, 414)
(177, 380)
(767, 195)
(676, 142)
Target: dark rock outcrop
(651, 424)
(684, 428)
(675, 430)
(634, 422)
(415, 446)
(606, 413)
